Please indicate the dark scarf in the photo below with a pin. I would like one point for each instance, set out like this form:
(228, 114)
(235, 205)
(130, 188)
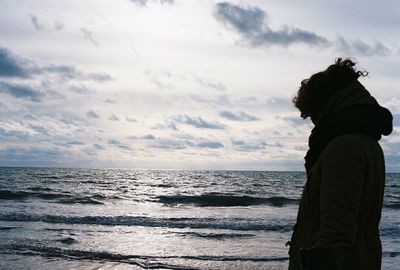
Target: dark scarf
(370, 119)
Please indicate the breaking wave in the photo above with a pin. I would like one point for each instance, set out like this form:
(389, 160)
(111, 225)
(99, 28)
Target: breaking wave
(216, 236)
(143, 261)
(62, 198)
(220, 200)
(196, 223)
(20, 195)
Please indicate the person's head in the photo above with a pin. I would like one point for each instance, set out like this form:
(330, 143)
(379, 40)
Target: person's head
(316, 91)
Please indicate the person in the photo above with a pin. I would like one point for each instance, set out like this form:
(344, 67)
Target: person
(340, 209)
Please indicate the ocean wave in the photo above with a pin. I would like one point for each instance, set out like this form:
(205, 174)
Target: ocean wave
(40, 189)
(20, 195)
(195, 223)
(220, 200)
(62, 198)
(162, 185)
(82, 200)
(7, 228)
(392, 205)
(217, 236)
(67, 240)
(51, 177)
(235, 224)
(390, 231)
(70, 254)
(391, 254)
(144, 261)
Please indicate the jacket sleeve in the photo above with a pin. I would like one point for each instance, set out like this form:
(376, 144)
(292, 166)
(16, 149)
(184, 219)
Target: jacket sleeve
(342, 180)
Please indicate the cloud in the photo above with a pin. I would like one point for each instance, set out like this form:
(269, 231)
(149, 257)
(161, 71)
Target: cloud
(35, 23)
(396, 120)
(392, 163)
(110, 100)
(130, 119)
(166, 79)
(252, 25)
(361, 48)
(275, 144)
(392, 150)
(241, 116)
(18, 67)
(114, 142)
(98, 147)
(212, 145)
(113, 117)
(243, 146)
(99, 77)
(210, 83)
(249, 20)
(171, 126)
(279, 104)
(58, 26)
(91, 151)
(71, 72)
(301, 148)
(65, 71)
(145, 2)
(168, 125)
(75, 143)
(87, 35)
(21, 91)
(13, 134)
(43, 156)
(68, 143)
(220, 100)
(119, 144)
(163, 79)
(40, 129)
(145, 137)
(92, 114)
(31, 156)
(149, 137)
(169, 144)
(11, 65)
(178, 142)
(198, 122)
(81, 89)
(295, 121)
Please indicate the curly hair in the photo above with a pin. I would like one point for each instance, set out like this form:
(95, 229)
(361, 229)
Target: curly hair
(315, 92)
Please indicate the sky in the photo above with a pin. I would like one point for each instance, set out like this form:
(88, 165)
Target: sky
(181, 84)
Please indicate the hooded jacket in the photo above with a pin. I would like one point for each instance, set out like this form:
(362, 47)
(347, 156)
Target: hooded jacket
(341, 205)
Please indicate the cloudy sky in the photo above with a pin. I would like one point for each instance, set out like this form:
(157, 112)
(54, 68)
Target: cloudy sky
(192, 84)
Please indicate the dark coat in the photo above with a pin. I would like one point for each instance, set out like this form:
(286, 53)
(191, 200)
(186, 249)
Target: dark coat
(340, 209)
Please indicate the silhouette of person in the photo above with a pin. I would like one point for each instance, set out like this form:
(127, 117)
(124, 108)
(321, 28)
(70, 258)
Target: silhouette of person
(340, 209)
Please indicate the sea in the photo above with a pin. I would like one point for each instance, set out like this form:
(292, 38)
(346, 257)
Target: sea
(58, 218)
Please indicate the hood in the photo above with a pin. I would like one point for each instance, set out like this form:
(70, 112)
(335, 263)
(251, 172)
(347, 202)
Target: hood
(355, 104)
(353, 94)
(350, 110)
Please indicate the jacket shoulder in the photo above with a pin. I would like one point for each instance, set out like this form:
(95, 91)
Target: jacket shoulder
(352, 141)
(353, 145)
